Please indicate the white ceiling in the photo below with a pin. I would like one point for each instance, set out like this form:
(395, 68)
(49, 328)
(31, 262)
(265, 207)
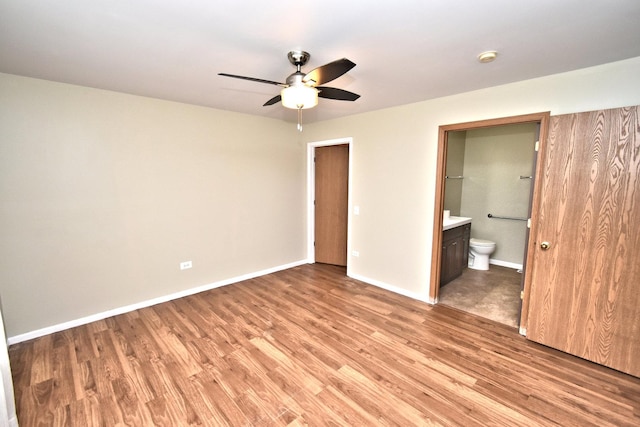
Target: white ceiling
(406, 50)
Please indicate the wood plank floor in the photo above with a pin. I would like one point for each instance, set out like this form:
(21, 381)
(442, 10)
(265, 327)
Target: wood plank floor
(309, 346)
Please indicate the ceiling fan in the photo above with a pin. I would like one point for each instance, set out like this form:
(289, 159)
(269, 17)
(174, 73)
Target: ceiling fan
(301, 91)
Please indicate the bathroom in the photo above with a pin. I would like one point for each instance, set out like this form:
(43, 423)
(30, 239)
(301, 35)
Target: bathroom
(489, 172)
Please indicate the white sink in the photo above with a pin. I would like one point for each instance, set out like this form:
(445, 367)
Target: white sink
(454, 221)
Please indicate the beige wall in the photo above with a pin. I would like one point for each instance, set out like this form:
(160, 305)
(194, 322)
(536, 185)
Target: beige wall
(394, 161)
(495, 158)
(104, 194)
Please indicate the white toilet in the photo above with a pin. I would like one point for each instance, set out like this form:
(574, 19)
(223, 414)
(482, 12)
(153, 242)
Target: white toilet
(479, 251)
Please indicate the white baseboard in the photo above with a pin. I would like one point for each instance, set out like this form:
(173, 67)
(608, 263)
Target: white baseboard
(121, 310)
(392, 288)
(505, 264)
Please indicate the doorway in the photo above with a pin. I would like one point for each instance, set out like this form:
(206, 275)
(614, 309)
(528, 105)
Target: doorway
(507, 225)
(328, 204)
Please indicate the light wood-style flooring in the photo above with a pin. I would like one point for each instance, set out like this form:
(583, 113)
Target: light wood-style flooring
(493, 294)
(309, 346)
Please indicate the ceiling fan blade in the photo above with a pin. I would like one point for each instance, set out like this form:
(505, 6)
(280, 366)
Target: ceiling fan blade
(273, 100)
(253, 79)
(335, 93)
(328, 72)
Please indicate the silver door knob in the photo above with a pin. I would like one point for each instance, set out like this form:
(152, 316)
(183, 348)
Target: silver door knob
(545, 245)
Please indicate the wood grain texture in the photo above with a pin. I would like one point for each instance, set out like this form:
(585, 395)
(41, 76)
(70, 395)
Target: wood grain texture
(309, 346)
(585, 293)
(331, 203)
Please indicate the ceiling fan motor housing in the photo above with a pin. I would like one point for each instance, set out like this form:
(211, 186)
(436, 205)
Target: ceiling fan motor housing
(295, 79)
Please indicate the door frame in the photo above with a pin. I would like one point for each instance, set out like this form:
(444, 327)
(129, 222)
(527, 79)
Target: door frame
(543, 119)
(311, 195)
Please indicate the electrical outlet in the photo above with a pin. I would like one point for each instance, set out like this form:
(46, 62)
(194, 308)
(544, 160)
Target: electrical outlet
(185, 265)
(355, 253)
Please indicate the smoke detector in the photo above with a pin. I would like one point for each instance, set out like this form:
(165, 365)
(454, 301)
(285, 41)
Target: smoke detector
(487, 56)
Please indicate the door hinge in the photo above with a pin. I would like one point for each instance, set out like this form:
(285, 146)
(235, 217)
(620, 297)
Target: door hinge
(537, 146)
(522, 295)
(529, 223)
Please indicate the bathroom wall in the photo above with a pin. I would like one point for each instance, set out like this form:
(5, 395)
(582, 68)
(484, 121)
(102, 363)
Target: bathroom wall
(494, 160)
(454, 167)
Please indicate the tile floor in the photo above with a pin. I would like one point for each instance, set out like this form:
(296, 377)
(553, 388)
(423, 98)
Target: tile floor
(493, 294)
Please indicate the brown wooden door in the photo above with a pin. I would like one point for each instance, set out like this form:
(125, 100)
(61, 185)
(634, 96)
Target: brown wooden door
(585, 289)
(331, 209)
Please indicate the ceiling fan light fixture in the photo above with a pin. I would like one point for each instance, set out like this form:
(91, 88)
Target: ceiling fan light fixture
(299, 97)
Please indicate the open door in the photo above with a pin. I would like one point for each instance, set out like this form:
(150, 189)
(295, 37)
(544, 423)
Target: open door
(584, 289)
(528, 230)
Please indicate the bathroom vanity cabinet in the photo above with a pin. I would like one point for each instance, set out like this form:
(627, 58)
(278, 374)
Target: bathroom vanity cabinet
(455, 252)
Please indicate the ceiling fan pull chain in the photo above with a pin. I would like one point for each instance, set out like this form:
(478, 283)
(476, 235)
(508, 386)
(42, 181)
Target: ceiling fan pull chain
(300, 119)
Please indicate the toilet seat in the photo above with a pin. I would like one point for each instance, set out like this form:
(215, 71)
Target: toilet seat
(480, 242)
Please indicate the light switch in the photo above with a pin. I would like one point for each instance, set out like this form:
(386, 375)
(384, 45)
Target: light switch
(356, 210)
